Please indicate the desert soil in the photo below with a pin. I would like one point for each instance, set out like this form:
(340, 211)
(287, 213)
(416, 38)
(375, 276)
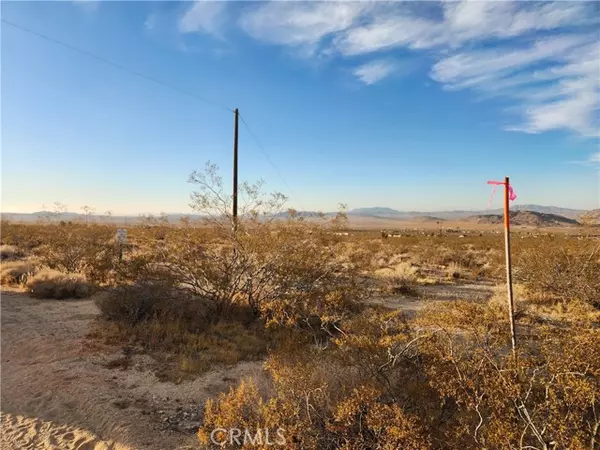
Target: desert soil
(58, 393)
(428, 295)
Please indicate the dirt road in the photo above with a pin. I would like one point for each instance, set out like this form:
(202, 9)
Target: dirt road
(58, 393)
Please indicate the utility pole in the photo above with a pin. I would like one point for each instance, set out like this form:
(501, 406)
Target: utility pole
(235, 169)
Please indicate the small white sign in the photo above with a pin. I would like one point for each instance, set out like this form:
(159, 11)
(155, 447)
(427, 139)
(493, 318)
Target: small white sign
(122, 236)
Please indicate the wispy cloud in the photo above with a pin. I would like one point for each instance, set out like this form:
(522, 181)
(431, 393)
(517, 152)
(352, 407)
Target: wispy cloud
(205, 17)
(593, 160)
(561, 96)
(543, 58)
(88, 6)
(300, 24)
(374, 71)
(150, 22)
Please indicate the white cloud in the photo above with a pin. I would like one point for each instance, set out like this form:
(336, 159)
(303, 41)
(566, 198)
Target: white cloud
(300, 24)
(469, 68)
(541, 57)
(572, 113)
(205, 17)
(388, 33)
(374, 71)
(564, 96)
(461, 22)
(476, 20)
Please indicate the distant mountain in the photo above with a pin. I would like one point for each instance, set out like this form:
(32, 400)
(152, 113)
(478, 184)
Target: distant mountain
(462, 214)
(381, 211)
(565, 212)
(378, 212)
(530, 218)
(304, 214)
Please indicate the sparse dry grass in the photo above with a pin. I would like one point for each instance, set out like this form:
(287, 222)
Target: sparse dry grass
(400, 279)
(533, 307)
(183, 353)
(16, 272)
(48, 283)
(10, 252)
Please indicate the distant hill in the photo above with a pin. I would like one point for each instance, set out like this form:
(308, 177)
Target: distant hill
(427, 218)
(378, 212)
(530, 218)
(565, 212)
(98, 218)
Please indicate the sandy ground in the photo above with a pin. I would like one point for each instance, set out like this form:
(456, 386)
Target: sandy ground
(57, 392)
(428, 295)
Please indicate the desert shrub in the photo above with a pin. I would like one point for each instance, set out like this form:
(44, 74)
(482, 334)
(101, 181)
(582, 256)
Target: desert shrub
(445, 380)
(49, 283)
(562, 272)
(542, 398)
(400, 279)
(80, 249)
(160, 300)
(16, 272)
(286, 270)
(10, 252)
(297, 275)
(365, 255)
(215, 271)
(338, 397)
(25, 237)
(183, 331)
(358, 421)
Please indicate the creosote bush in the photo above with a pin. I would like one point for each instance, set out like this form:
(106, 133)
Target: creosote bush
(562, 272)
(85, 249)
(447, 380)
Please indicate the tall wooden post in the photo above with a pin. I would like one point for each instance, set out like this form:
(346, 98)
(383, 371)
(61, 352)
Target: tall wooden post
(513, 332)
(235, 170)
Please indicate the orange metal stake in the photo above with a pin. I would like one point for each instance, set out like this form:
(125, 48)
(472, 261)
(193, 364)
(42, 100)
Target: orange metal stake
(513, 332)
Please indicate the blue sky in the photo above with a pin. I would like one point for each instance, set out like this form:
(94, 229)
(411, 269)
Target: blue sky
(408, 105)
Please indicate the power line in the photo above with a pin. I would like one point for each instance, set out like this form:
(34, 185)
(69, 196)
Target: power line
(268, 158)
(159, 82)
(115, 65)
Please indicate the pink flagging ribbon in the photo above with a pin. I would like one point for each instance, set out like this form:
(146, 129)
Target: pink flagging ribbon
(511, 192)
